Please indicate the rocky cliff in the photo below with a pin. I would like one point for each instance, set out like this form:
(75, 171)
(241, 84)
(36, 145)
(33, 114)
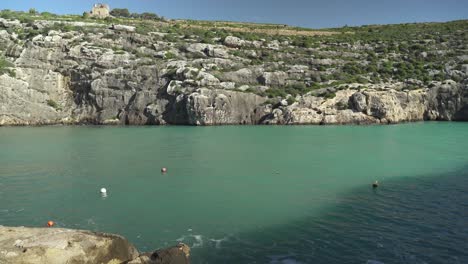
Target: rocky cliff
(57, 246)
(67, 72)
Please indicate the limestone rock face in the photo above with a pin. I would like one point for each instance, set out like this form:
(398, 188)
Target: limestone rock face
(358, 102)
(303, 116)
(118, 75)
(448, 102)
(394, 107)
(212, 107)
(245, 75)
(21, 104)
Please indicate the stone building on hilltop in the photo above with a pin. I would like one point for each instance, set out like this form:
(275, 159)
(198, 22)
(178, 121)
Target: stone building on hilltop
(100, 11)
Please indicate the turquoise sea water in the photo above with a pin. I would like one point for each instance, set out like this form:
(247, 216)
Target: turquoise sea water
(258, 194)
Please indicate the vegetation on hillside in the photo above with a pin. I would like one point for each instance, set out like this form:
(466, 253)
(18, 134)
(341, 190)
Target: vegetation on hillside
(413, 54)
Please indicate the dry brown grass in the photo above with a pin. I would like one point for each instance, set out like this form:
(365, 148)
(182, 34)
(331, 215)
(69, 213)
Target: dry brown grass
(255, 28)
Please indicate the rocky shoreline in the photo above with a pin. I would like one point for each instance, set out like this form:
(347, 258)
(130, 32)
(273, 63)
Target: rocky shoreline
(72, 73)
(57, 245)
(447, 102)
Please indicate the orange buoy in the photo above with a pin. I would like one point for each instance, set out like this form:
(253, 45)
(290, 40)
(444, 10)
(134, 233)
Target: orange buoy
(163, 170)
(50, 223)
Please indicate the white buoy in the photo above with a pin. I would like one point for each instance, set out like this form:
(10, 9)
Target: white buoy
(103, 190)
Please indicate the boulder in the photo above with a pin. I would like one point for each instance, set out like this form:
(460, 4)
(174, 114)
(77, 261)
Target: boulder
(207, 79)
(242, 76)
(464, 69)
(57, 245)
(273, 78)
(173, 87)
(274, 45)
(203, 50)
(299, 116)
(123, 28)
(9, 23)
(175, 255)
(228, 85)
(233, 42)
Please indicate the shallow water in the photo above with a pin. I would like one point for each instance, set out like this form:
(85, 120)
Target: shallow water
(249, 194)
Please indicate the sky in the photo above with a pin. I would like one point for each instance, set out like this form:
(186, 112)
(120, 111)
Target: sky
(307, 13)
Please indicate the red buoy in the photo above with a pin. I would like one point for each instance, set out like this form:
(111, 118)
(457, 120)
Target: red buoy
(50, 223)
(163, 170)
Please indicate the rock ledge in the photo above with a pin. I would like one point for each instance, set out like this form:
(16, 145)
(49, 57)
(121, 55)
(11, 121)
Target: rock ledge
(27, 245)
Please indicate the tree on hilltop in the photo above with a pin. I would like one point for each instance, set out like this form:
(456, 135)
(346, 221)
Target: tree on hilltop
(150, 16)
(120, 12)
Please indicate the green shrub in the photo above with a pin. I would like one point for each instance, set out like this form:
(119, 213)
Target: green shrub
(169, 55)
(271, 101)
(6, 14)
(6, 67)
(275, 92)
(171, 38)
(149, 16)
(26, 20)
(291, 100)
(296, 88)
(120, 12)
(53, 104)
(111, 36)
(48, 15)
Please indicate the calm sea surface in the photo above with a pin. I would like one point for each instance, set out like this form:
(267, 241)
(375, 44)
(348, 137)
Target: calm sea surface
(253, 194)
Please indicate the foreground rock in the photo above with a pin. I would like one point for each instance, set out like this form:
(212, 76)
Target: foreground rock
(56, 245)
(175, 255)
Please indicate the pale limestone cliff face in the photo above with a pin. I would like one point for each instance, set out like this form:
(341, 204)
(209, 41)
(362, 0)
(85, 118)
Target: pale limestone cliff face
(447, 102)
(217, 107)
(57, 246)
(22, 103)
(74, 77)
